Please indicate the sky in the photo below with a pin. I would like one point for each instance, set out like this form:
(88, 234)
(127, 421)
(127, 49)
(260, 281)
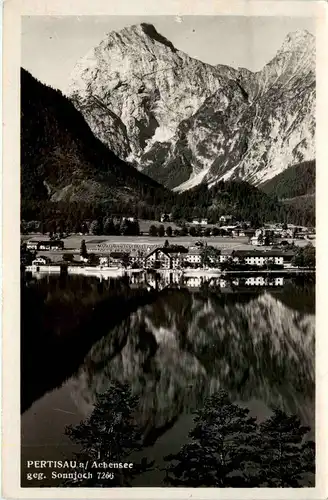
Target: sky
(52, 45)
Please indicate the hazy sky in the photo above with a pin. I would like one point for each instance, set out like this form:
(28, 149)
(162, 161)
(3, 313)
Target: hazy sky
(52, 45)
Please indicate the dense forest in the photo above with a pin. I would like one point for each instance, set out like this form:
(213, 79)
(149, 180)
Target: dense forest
(68, 174)
(61, 160)
(301, 209)
(297, 180)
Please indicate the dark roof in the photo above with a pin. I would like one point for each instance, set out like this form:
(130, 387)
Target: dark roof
(50, 242)
(163, 250)
(168, 251)
(151, 252)
(118, 255)
(175, 249)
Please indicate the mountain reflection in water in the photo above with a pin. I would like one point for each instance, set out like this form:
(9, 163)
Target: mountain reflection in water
(173, 347)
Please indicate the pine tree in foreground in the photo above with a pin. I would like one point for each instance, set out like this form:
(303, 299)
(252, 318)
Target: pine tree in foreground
(287, 458)
(221, 453)
(227, 448)
(109, 435)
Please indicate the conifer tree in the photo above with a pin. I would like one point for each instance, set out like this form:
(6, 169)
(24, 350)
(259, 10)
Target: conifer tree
(286, 457)
(220, 453)
(83, 250)
(153, 230)
(108, 226)
(227, 448)
(169, 231)
(161, 230)
(110, 435)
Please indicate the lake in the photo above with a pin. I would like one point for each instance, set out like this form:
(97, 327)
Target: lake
(172, 344)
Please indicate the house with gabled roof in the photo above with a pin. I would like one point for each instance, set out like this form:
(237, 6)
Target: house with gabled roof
(165, 258)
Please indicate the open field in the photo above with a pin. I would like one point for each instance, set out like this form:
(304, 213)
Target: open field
(73, 242)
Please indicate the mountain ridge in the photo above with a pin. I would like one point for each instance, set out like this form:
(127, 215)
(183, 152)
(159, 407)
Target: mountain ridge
(298, 180)
(61, 159)
(277, 104)
(140, 79)
(67, 171)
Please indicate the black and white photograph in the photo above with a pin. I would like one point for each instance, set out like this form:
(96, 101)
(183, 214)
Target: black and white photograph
(167, 251)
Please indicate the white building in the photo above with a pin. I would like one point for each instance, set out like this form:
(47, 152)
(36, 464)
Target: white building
(258, 242)
(193, 256)
(238, 232)
(41, 261)
(225, 218)
(165, 258)
(223, 257)
(200, 222)
(32, 245)
(158, 258)
(255, 258)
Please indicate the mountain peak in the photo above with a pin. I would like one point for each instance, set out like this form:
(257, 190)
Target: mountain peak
(150, 30)
(174, 116)
(136, 81)
(143, 31)
(297, 40)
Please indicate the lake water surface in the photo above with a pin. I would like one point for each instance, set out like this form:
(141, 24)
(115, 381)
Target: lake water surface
(173, 346)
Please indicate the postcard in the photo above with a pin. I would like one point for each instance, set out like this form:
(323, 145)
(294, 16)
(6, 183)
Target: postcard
(163, 208)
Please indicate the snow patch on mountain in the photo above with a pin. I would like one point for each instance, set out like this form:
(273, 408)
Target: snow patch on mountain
(192, 182)
(182, 121)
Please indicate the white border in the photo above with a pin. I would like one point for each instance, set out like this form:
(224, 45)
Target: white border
(13, 10)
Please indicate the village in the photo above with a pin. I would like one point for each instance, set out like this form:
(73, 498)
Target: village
(239, 248)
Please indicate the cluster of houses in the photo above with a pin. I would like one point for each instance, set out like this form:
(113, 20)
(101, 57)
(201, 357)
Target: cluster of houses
(202, 221)
(174, 257)
(290, 231)
(45, 245)
(179, 257)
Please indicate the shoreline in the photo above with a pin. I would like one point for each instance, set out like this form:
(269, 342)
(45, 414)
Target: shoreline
(119, 271)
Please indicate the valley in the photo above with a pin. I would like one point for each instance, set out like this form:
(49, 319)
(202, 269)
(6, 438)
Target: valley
(168, 249)
(166, 133)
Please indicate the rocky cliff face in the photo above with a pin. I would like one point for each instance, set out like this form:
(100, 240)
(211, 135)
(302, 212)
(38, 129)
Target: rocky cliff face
(271, 130)
(185, 346)
(184, 122)
(279, 124)
(135, 88)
